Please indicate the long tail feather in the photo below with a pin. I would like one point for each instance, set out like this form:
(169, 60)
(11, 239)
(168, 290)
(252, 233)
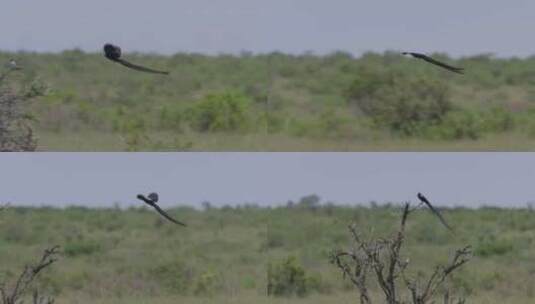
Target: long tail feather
(163, 213)
(443, 65)
(140, 68)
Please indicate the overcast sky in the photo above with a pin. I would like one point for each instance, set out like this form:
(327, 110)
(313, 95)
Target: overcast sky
(458, 27)
(100, 179)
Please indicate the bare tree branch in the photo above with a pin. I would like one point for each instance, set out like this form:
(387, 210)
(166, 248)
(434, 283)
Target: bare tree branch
(28, 275)
(16, 133)
(381, 257)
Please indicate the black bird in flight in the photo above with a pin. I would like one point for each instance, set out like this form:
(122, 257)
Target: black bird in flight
(113, 53)
(151, 200)
(435, 62)
(424, 200)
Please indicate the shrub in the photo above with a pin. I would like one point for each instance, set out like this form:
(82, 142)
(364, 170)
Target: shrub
(459, 125)
(227, 111)
(16, 132)
(471, 124)
(400, 101)
(286, 278)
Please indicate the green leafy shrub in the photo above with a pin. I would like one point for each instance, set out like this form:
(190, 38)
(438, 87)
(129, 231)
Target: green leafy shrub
(471, 124)
(400, 101)
(498, 119)
(458, 125)
(286, 278)
(227, 111)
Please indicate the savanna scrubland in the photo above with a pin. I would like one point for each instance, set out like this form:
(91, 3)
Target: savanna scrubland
(231, 254)
(278, 102)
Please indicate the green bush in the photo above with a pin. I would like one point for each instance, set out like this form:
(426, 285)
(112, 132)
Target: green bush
(227, 111)
(286, 278)
(399, 101)
(471, 124)
(498, 119)
(458, 125)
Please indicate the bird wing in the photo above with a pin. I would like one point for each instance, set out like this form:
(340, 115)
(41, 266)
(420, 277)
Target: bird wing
(166, 215)
(435, 211)
(441, 64)
(139, 68)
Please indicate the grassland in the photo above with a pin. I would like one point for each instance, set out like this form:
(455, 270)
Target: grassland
(279, 102)
(132, 256)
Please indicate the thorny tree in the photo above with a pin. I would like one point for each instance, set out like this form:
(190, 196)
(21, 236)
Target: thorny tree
(16, 133)
(12, 293)
(380, 259)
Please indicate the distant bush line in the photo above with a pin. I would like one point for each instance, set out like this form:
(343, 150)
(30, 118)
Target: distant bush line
(336, 96)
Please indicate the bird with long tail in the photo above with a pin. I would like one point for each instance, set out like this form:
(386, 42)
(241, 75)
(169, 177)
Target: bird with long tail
(425, 201)
(151, 200)
(113, 53)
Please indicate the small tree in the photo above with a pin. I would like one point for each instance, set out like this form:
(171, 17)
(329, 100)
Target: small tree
(381, 259)
(16, 133)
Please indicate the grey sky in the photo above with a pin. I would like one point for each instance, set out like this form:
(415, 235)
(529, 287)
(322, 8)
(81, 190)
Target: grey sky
(100, 179)
(458, 27)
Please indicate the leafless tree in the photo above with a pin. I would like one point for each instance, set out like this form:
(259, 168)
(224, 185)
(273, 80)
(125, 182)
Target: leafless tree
(16, 133)
(13, 294)
(380, 259)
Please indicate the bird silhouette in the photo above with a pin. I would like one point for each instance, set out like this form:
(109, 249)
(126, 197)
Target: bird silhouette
(435, 62)
(424, 200)
(151, 200)
(113, 53)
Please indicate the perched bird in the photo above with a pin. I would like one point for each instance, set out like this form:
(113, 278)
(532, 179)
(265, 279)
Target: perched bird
(113, 53)
(12, 64)
(151, 200)
(424, 200)
(435, 62)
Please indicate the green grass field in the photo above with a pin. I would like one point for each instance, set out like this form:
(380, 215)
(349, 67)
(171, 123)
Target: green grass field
(133, 256)
(279, 102)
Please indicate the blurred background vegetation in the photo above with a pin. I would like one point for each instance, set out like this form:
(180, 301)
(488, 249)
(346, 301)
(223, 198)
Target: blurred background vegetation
(280, 102)
(236, 254)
